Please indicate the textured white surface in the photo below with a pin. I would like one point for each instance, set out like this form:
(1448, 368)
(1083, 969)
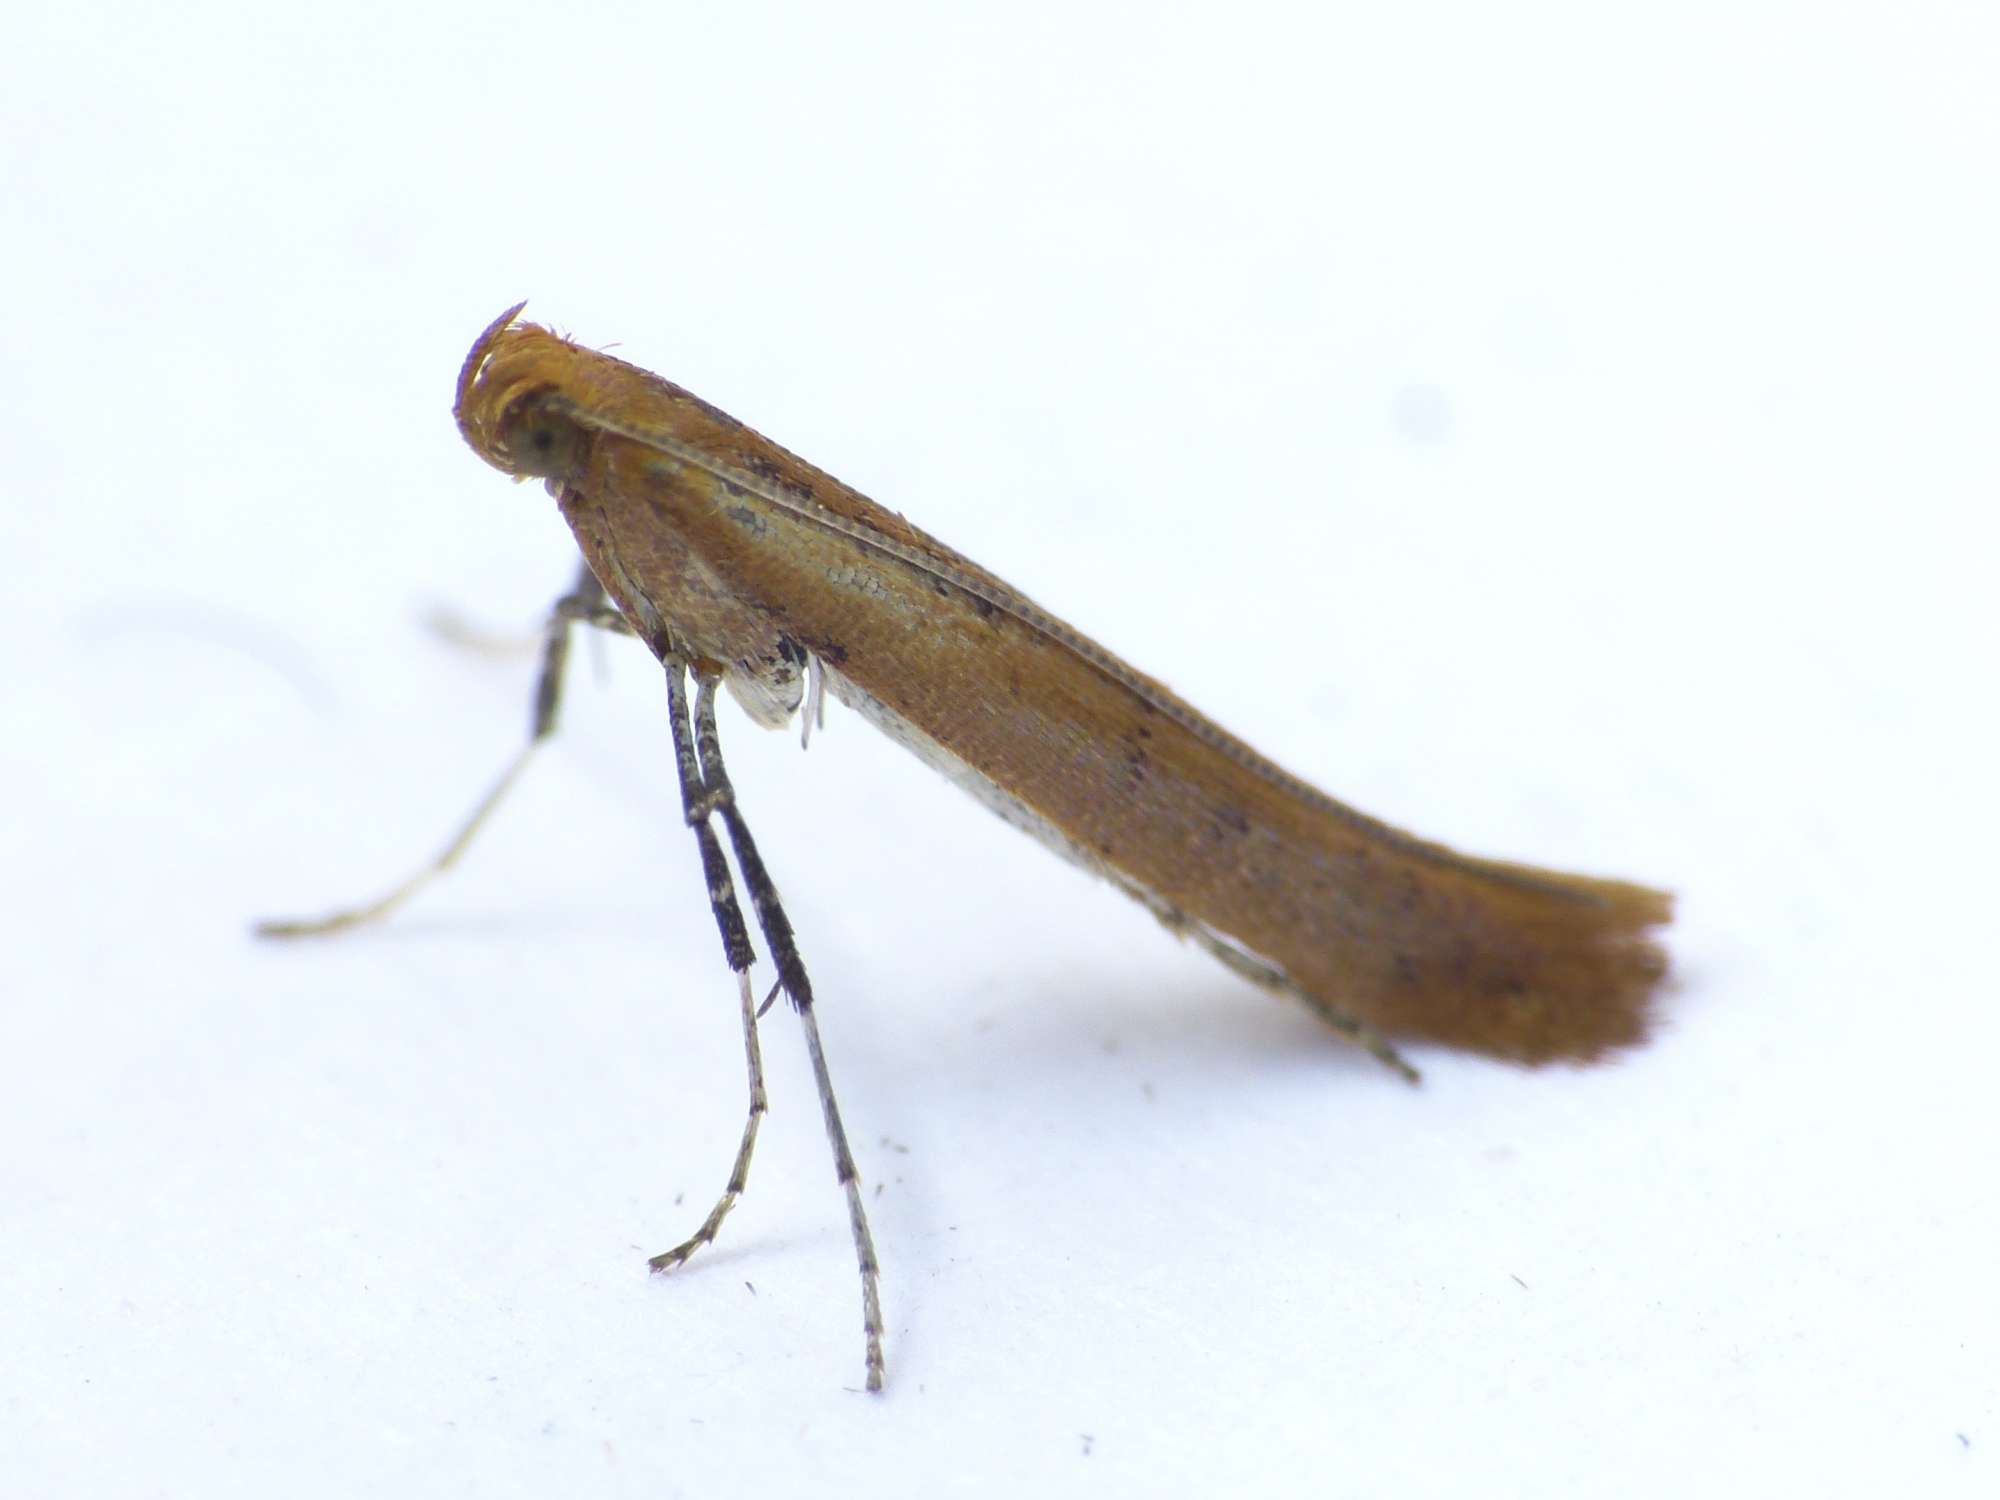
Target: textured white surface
(1572, 441)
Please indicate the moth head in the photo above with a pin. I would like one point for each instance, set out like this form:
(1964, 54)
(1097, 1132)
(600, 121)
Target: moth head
(509, 404)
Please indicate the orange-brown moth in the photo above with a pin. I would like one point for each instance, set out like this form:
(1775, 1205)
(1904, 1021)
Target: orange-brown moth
(739, 563)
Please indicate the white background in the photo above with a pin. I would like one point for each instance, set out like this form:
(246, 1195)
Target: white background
(1566, 430)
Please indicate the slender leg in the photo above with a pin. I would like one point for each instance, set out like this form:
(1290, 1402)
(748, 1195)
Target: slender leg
(1277, 980)
(792, 976)
(739, 1174)
(584, 603)
(1361, 1033)
(706, 791)
(696, 804)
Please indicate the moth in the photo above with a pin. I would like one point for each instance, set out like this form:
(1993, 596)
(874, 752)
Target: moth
(740, 565)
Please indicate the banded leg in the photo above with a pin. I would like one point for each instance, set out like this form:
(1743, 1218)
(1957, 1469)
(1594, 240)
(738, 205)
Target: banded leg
(584, 604)
(791, 969)
(697, 802)
(706, 791)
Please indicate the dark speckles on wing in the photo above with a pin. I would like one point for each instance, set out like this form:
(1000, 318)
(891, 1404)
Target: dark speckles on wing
(768, 471)
(1138, 765)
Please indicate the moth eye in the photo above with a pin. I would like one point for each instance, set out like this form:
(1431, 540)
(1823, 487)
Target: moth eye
(544, 444)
